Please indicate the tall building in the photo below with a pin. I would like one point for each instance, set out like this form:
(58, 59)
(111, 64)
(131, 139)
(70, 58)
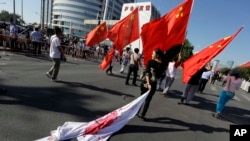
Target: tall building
(69, 15)
(47, 12)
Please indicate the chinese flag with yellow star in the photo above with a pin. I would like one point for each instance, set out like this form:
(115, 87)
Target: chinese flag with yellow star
(97, 35)
(125, 31)
(166, 32)
(199, 60)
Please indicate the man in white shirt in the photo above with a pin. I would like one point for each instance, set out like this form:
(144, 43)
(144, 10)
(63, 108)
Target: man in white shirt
(36, 38)
(207, 75)
(13, 35)
(56, 53)
(135, 62)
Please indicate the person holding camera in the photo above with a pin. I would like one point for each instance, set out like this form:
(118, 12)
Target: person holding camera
(57, 54)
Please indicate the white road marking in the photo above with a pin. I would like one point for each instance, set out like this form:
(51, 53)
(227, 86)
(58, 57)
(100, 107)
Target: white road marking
(213, 88)
(2, 63)
(236, 98)
(246, 97)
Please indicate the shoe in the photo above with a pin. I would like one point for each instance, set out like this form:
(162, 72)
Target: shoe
(48, 75)
(134, 84)
(186, 103)
(56, 80)
(126, 83)
(3, 91)
(182, 99)
(216, 115)
(141, 117)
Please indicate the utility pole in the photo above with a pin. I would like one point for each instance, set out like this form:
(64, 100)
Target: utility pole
(14, 11)
(105, 10)
(22, 9)
(42, 15)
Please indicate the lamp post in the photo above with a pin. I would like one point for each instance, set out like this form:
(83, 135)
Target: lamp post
(22, 9)
(14, 11)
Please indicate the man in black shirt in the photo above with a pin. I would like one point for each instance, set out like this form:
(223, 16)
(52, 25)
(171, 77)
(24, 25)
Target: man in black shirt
(193, 85)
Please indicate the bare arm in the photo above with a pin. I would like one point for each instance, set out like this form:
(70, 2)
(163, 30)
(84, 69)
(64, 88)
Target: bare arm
(61, 51)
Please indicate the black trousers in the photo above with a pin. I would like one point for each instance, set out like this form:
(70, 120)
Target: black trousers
(143, 110)
(202, 84)
(134, 69)
(36, 47)
(13, 44)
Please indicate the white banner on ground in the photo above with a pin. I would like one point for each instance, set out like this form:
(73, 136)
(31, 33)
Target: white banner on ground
(100, 129)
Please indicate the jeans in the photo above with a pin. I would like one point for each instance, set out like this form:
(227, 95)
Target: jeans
(222, 101)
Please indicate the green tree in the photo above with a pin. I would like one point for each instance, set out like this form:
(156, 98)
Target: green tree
(186, 50)
(225, 70)
(244, 72)
(5, 16)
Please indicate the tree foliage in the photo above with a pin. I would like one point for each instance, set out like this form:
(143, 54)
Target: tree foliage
(244, 72)
(186, 50)
(225, 70)
(5, 16)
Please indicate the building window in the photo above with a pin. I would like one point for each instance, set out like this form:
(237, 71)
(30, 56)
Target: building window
(141, 8)
(148, 7)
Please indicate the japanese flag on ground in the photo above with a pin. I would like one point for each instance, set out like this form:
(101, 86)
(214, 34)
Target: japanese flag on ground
(100, 129)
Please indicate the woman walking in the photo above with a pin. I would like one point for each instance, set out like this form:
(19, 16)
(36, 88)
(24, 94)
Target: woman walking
(233, 83)
(152, 73)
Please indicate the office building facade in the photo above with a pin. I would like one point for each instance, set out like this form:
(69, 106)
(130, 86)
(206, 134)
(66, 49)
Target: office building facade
(69, 15)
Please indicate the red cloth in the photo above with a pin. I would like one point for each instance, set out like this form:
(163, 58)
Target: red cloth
(107, 59)
(245, 65)
(199, 60)
(125, 31)
(166, 32)
(97, 35)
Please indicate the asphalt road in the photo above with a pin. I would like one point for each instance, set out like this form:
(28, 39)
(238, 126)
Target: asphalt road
(33, 105)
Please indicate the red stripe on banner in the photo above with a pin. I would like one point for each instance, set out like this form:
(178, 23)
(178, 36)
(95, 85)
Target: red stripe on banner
(101, 123)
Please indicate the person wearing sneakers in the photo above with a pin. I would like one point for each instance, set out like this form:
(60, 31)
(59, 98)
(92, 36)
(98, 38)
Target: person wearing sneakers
(56, 53)
(171, 73)
(135, 63)
(233, 83)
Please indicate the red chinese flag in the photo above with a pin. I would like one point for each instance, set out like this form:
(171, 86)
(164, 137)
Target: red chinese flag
(125, 31)
(166, 32)
(199, 60)
(107, 59)
(97, 35)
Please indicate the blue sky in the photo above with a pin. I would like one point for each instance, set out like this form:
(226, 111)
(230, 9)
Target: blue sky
(210, 21)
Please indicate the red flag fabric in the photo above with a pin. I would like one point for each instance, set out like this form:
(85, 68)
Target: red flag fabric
(166, 32)
(199, 60)
(107, 59)
(247, 64)
(97, 35)
(125, 31)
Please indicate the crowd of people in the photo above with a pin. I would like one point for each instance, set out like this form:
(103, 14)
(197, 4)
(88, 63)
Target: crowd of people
(151, 78)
